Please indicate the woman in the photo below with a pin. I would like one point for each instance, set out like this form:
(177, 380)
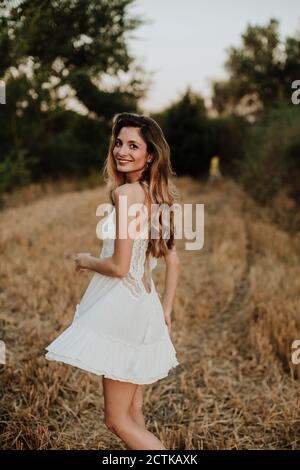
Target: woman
(121, 329)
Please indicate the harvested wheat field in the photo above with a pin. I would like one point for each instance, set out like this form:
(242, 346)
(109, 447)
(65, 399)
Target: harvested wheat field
(236, 315)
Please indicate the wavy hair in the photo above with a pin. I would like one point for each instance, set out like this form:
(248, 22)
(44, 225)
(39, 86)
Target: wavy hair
(155, 179)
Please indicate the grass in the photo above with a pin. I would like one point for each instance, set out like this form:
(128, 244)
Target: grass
(236, 314)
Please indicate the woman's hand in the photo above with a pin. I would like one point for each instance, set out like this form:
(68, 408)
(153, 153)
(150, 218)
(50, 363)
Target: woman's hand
(82, 262)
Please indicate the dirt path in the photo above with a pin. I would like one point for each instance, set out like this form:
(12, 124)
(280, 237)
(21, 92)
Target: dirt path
(240, 398)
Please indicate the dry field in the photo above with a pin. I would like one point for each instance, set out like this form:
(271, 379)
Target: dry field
(235, 316)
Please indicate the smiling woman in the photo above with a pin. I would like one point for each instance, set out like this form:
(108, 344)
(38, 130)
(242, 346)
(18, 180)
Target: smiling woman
(121, 329)
(130, 153)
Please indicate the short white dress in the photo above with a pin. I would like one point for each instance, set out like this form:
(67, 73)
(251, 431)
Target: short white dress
(118, 329)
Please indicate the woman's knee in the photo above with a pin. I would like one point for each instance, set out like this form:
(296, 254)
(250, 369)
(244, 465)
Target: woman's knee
(117, 424)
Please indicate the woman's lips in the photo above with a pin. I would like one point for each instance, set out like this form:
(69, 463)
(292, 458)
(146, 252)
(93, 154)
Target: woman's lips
(123, 161)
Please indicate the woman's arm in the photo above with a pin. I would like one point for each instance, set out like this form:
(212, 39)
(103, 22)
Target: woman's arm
(118, 264)
(105, 266)
(171, 278)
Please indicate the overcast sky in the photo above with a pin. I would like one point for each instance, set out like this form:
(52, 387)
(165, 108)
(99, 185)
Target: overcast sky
(186, 41)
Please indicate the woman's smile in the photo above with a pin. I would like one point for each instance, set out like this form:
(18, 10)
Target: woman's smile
(123, 161)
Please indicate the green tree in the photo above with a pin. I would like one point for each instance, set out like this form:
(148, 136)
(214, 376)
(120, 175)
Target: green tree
(53, 52)
(75, 43)
(195, 138)
(272, 155)
(261, 71)
(186, 127)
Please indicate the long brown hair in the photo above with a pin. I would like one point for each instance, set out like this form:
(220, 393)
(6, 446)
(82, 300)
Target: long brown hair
(155, 179)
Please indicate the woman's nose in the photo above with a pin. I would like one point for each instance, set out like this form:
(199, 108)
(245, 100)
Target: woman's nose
(123, 151)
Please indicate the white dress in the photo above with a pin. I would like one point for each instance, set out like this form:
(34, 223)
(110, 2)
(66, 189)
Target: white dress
(118, 329)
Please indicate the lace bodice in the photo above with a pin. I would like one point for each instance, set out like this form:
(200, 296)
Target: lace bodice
(138, 267)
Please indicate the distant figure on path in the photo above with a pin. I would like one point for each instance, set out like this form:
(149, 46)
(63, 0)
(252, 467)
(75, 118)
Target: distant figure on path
(214, 169)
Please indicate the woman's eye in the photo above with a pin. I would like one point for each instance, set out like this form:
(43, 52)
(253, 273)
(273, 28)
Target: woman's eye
(134, 146)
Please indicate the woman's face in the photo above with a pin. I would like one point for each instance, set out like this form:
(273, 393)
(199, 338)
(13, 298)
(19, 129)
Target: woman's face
(130, 153)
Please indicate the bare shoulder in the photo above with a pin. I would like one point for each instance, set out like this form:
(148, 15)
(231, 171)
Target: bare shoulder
(132, 191)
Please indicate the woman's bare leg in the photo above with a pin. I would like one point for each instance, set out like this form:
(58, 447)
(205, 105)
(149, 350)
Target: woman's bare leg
(118, 398)
(136, 407)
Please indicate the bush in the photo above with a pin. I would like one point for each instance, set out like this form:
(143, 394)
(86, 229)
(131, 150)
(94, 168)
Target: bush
(272, 154)
(15, 170)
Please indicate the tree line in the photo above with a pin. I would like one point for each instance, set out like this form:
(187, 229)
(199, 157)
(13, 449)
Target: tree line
(56, 53)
